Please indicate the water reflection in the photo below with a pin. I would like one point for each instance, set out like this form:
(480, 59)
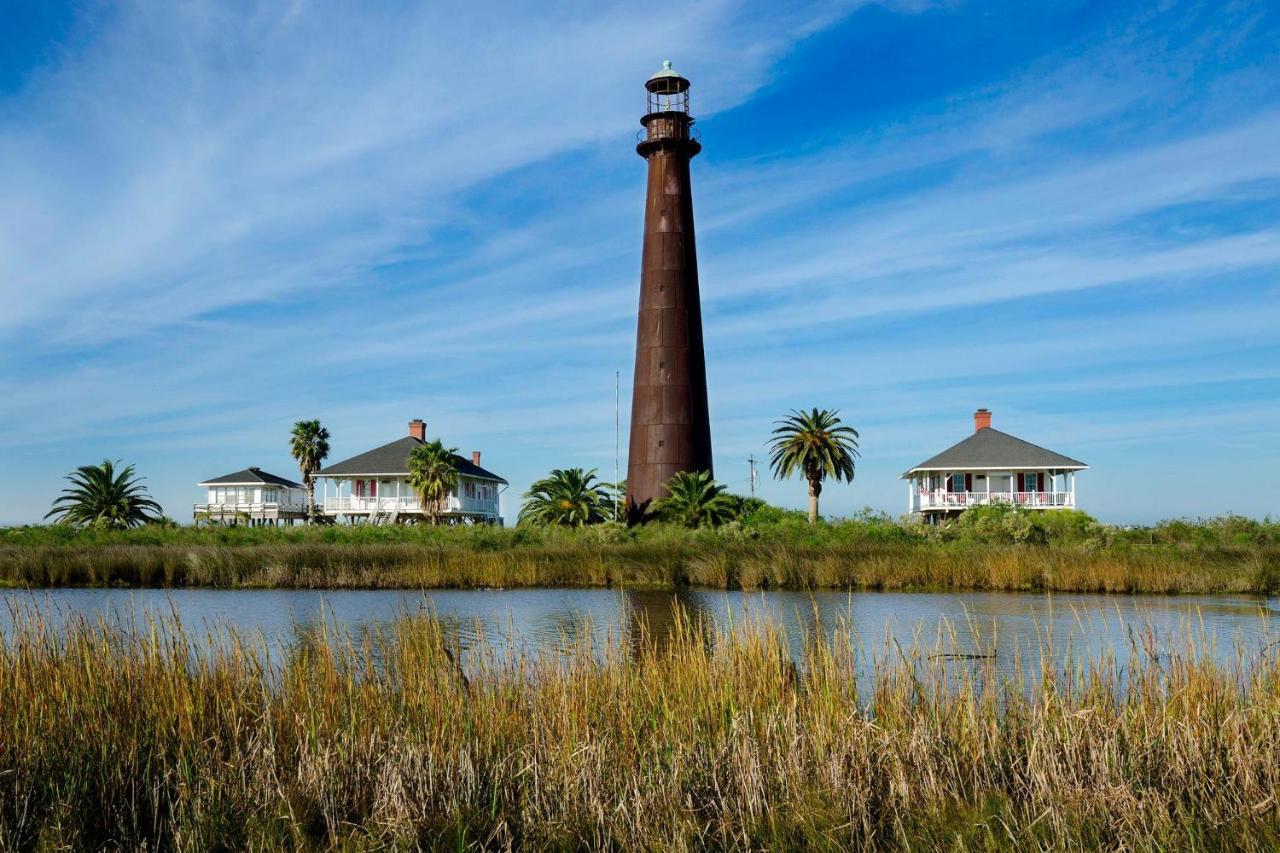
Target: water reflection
(652, 616)
(976, 631)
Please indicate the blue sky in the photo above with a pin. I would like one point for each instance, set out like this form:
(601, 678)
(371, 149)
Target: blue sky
(218, 218)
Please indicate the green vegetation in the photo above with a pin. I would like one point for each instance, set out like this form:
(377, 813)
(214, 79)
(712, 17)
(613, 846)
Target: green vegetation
(569, 497)
(395, 740)
(433, 474)
(816, 444)
(694, 499)
(309, 445)
(992, 549)
(104, 498)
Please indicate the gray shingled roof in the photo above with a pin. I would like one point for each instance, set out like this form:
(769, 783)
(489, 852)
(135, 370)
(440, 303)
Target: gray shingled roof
(991, 448)
(251, 476)
(393, 458)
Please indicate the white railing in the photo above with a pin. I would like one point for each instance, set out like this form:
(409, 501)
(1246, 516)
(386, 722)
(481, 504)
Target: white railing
(406, 504)
(357, 504)
(230, 508)
(959, 500)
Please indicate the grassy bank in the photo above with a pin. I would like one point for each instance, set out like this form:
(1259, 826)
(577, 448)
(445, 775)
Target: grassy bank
(127, 741)
(871, 552)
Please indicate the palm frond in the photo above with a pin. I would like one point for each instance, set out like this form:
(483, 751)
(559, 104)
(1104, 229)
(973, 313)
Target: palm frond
(104, 496)
(433, 474)
(815, 443)
(694, 499)
(569, 497)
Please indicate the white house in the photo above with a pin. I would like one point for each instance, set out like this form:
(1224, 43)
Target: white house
(252, 496)
(989, 467)
(374, 486)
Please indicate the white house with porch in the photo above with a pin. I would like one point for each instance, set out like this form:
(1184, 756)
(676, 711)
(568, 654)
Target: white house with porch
(253, 497)
(991, 467)
(374, 486)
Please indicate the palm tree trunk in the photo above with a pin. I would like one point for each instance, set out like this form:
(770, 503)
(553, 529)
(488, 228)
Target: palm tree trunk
(311, 496)
(815, 489)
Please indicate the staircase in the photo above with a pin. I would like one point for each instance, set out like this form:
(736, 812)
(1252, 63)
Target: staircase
(384, 515)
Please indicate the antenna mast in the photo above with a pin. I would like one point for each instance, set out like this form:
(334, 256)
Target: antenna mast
(617, 431)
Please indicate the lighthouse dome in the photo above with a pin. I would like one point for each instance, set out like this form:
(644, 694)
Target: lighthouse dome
(667, 81)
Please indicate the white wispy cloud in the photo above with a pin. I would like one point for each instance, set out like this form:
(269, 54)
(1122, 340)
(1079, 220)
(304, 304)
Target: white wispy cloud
(196, 156)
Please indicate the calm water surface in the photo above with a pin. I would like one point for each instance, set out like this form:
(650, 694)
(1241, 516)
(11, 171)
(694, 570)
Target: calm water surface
(1013, 626)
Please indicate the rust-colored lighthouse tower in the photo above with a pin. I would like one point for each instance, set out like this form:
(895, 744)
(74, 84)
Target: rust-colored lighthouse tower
(670, 425)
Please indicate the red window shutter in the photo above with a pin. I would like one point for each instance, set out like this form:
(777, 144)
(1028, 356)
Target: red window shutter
(373, 488)
(1040, 482)
(951, 483)
(968, 482)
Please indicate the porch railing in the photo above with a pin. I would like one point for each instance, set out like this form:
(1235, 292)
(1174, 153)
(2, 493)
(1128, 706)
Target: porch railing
(960, 500)
(405, 504)
(231, 508)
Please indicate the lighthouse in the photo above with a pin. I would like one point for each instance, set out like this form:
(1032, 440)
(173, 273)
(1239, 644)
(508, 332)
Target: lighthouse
(670, 424)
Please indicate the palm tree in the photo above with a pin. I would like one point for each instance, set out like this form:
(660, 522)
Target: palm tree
(694, 499)
(101, 496)
(817, 444)
(309, 444)
(433, 474)
(571, 497)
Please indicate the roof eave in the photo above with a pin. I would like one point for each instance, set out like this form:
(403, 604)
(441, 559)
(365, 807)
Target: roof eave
(329, 475)
(1080, 467)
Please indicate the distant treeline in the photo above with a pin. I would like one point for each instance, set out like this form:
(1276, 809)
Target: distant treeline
(984, 549)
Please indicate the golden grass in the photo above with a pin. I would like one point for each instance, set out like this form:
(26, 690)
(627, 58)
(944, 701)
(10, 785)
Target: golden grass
(153, 738)
(719, 564)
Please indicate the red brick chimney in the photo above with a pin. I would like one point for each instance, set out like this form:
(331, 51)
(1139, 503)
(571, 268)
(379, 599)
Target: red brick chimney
(981, 419)
(475, 458)
(418, 429)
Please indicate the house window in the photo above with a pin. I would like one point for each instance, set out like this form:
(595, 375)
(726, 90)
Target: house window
(1028, 482)
(957, 483)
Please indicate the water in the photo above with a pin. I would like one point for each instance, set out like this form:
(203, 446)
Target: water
(1007, 630)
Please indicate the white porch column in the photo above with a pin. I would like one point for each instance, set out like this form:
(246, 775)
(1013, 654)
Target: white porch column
(1073, 488)
(910, 495)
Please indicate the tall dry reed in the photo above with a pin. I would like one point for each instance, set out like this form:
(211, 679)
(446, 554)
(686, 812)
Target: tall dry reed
(724, 564)
(151, 737)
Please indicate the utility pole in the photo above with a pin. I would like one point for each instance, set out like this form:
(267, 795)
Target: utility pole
(751, 461)
(617, 431)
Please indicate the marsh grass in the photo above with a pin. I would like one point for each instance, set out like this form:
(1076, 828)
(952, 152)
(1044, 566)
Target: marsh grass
(872, 552)
(723, 564)
(149, 737)
(772, 551)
